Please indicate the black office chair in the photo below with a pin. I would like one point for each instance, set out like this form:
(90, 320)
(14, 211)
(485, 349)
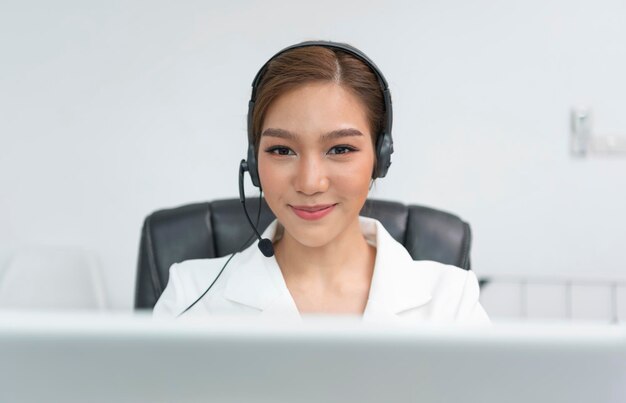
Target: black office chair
(218, 228)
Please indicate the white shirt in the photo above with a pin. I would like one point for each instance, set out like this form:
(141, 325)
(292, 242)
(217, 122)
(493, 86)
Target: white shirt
(252, 284)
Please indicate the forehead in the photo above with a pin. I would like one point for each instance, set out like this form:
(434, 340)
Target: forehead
(317, 108)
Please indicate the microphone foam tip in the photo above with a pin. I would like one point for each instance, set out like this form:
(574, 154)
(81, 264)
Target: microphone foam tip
(266, 247)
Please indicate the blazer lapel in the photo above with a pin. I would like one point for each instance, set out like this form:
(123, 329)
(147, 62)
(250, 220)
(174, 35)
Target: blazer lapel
(397, 285)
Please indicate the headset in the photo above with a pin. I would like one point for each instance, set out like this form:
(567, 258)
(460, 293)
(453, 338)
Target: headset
(384, 144)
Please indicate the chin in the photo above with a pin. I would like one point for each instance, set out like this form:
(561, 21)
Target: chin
(311, 236)
(315, 234)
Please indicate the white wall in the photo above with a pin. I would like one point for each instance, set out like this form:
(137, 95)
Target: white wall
(111, 110)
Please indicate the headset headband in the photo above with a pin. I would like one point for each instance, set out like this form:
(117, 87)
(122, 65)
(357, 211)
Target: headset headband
(327, 44)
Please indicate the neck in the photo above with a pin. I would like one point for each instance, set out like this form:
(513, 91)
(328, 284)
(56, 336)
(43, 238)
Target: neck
(342, 258)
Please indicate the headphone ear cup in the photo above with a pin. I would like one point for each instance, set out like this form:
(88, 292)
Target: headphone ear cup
(253, 167)
(252, 164)
(384, 149)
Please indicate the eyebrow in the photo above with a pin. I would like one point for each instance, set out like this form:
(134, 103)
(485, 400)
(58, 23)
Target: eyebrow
(335, 134)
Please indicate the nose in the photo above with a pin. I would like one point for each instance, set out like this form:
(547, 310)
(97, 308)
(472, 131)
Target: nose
(311, 176)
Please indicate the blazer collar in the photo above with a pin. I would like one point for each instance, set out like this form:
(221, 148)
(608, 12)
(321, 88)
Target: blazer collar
(397, 285)
(256, 281)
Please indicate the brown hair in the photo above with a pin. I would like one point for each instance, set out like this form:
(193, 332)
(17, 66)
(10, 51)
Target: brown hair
(317, 63)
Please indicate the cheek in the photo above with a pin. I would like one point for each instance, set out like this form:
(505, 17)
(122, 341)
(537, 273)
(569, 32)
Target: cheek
(265, 175)
(355, 178)
(272, 178)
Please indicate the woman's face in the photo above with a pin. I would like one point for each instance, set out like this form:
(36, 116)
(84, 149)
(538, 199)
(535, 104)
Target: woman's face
(315, 161)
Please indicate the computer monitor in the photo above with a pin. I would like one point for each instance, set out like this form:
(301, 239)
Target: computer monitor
(82, 358)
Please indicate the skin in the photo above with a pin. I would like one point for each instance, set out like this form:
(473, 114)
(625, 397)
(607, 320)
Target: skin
(316, 148)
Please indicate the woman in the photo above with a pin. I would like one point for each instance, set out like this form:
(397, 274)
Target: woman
(319, 134)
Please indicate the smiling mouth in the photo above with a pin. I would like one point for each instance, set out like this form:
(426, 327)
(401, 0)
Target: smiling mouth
(314, 212)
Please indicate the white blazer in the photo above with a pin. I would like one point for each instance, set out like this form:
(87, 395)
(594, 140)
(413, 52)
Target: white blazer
(251, 284)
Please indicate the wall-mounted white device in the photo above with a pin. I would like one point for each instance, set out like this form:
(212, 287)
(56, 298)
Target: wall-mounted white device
(584, 142)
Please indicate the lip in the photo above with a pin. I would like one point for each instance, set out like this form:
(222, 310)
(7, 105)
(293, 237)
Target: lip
(314, 212)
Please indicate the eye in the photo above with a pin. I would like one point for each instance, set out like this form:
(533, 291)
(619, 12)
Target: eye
(342, 149)
(280, 150)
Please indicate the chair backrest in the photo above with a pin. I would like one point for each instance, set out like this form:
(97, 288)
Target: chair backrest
(218, 228)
